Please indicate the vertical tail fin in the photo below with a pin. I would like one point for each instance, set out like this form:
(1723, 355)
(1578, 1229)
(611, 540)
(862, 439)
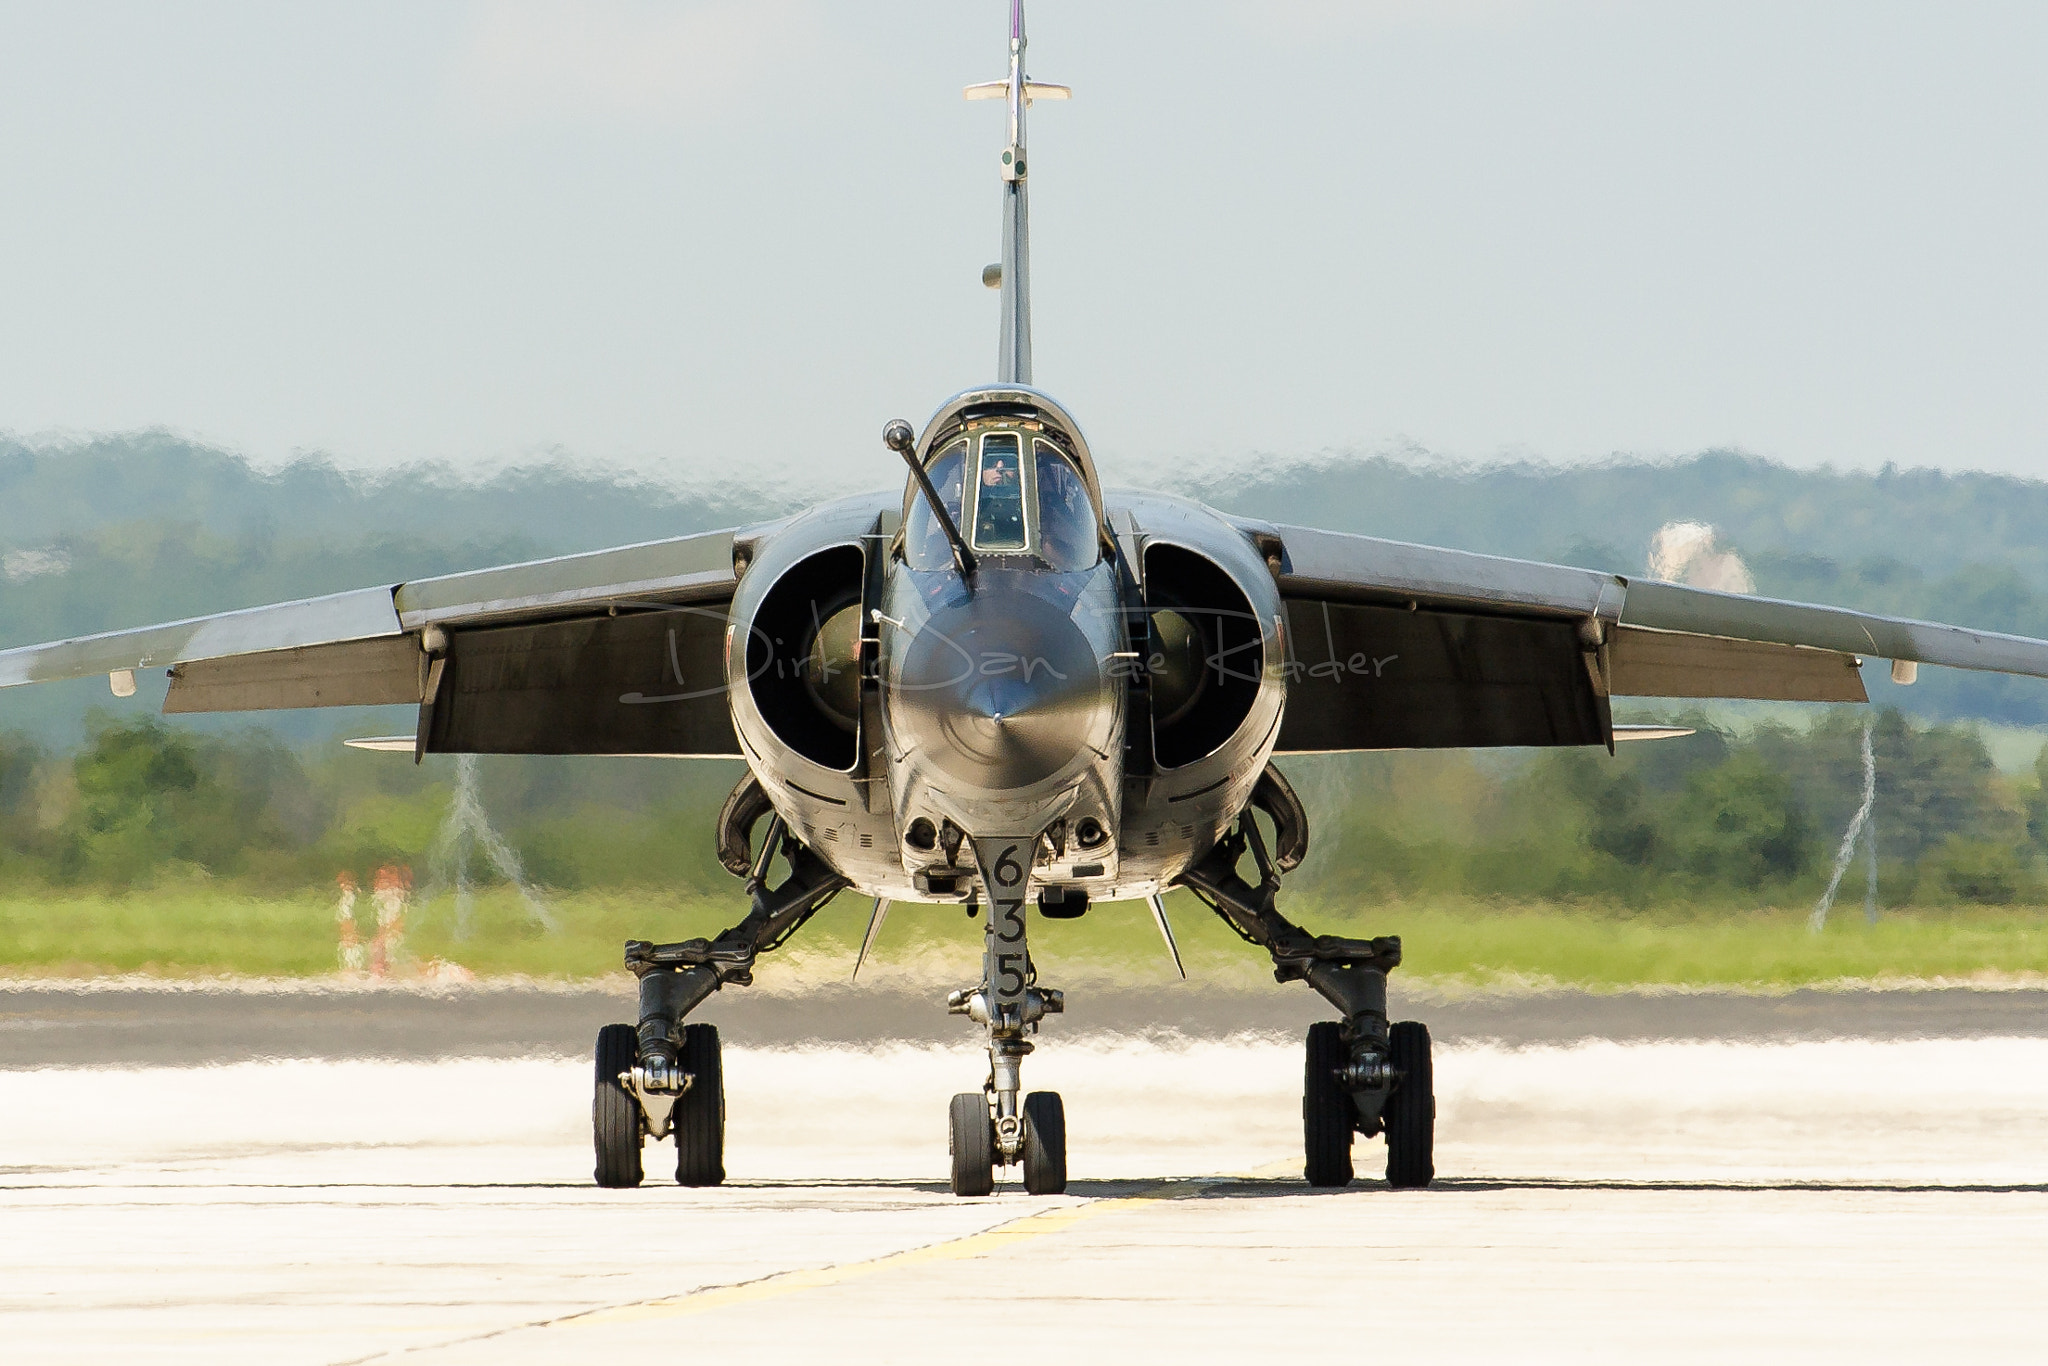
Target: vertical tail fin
(1013, 356)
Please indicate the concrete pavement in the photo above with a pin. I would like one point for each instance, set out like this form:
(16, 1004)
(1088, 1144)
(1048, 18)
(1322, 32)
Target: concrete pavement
(1826, 1200)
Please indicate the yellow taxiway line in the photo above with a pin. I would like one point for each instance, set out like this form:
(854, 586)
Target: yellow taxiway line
(988, 1241)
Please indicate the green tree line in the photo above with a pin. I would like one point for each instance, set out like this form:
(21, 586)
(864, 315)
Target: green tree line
(1713, 819)
(143, 802)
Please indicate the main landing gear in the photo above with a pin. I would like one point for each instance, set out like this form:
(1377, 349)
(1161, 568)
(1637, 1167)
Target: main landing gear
(999, 1126)
(666, 1077)
(1361, 1075)
(621, 1122)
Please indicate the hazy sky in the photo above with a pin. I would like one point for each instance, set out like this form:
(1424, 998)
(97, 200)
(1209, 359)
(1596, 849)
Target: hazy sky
(695, 237)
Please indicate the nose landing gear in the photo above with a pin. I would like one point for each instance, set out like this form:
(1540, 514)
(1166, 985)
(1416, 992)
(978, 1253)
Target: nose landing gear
(1002, 1126)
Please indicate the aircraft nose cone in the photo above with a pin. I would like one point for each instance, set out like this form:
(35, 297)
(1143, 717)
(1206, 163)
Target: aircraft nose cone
(999, 691)
(987, 701)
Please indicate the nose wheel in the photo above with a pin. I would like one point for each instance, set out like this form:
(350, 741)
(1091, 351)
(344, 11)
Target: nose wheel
(1045, 1143)
(971, 1139)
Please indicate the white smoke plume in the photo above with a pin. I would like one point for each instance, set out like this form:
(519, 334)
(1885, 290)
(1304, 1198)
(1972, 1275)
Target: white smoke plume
(1684, 552)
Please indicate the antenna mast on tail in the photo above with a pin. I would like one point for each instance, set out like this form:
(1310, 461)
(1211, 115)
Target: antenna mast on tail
(1013, 359)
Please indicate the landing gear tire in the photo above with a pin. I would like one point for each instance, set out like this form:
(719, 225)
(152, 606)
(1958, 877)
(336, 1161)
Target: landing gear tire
(614, 1113)
(1411, 1110)
(699, 1121)
(1045, 1143)
(1327, 1114)
(972, 1141)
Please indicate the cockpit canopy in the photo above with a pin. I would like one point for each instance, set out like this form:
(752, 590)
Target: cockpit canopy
(1013, 489)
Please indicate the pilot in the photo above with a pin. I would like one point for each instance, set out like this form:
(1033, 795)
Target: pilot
(999, 519)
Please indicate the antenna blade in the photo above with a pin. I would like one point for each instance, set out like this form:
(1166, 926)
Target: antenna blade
(1158, 905)
(874, 930)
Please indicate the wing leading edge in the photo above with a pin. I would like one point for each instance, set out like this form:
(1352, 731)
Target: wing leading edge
(613, 652)
(1344, 567)
(1393, 645)
(364, 614)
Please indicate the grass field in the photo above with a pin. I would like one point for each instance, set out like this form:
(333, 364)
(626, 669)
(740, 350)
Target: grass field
(203, 931)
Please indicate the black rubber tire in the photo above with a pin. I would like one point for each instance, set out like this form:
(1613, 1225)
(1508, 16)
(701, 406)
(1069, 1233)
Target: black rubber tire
(971, 1139)
(615, 1126)
(1045, 1143)
(699, 1116)
(1328, 1118)
(1411, 1110)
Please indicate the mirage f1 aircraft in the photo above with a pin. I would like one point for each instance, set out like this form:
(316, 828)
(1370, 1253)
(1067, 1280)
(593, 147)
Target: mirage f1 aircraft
(1002, 687)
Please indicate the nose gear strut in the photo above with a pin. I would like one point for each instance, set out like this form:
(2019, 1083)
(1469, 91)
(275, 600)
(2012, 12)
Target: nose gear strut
(1002, 1126)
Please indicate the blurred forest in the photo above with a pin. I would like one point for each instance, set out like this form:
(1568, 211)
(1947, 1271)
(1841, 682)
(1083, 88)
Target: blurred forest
(143, 802)
(1712, 819)
(1735, 820)
(125, 531)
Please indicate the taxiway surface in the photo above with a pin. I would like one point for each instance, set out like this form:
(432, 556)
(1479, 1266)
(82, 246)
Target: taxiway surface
(1794, 1196)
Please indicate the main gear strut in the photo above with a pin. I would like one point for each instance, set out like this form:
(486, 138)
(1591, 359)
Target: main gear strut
(677, 978)
(668, 1058)
(1361, 1059)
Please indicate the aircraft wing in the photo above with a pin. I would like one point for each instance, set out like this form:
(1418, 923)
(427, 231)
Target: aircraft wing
(1392, 645)
(613, 652)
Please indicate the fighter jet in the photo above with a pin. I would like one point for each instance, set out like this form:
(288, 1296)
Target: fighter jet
(1002, 687)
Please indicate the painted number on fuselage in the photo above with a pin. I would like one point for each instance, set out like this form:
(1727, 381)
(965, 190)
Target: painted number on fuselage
(1009, 959)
